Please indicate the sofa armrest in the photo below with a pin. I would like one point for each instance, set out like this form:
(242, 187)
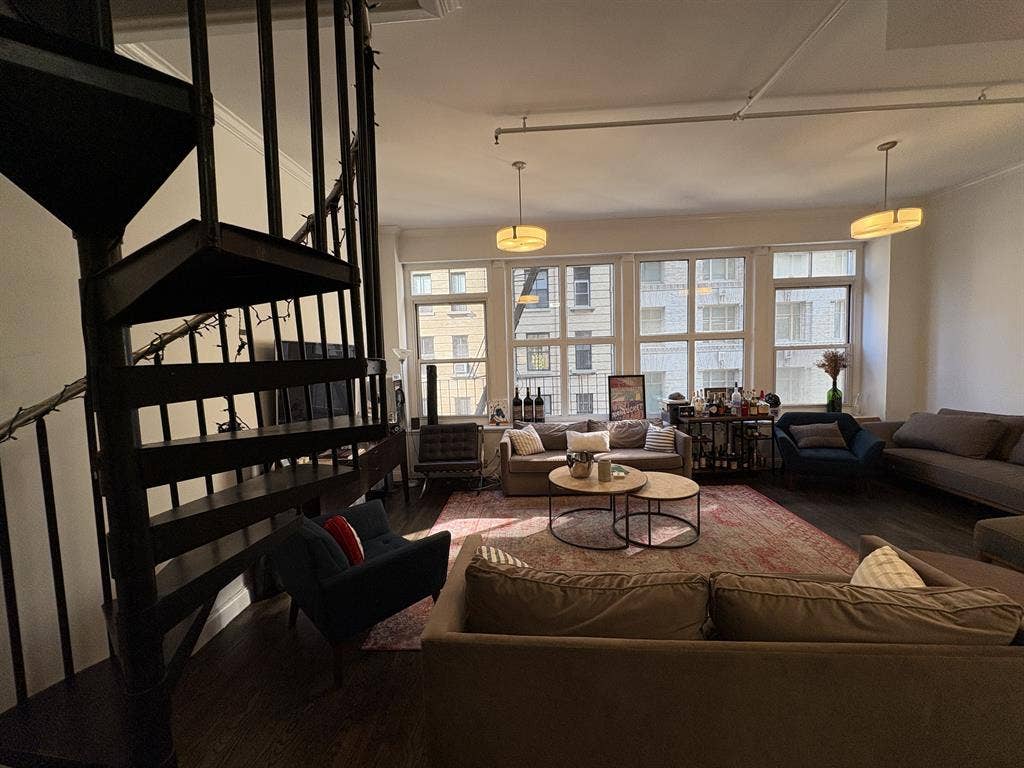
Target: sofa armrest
(369, 520)
(449, 613)
(932, 576)
(867, 447)
(684, 447)
(787, 448)
(884, 430)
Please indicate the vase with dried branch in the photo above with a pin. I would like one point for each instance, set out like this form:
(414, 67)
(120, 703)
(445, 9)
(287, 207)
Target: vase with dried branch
(833, 362)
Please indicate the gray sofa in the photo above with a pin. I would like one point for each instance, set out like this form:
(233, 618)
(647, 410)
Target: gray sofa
(932, 448)
(528, 475)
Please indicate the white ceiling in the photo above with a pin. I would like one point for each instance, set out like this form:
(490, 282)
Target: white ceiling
(445, 85)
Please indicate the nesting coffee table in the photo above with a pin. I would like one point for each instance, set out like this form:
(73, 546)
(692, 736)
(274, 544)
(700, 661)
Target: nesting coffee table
(590, 485)
(661, 486)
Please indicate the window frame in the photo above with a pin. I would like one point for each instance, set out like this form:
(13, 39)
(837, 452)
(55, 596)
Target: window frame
(854, 285)
(565, 342)
(691, 336)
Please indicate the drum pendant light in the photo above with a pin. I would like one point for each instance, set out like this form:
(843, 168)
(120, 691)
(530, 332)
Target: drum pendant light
(888, 221)
(521, 238)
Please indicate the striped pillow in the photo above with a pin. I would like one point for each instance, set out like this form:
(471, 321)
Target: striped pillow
(500, 557)
(526, 441)
(661, 439)
(885, 569)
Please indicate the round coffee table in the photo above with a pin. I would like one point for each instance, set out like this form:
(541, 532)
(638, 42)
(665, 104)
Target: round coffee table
(661, 486)
(590, 485)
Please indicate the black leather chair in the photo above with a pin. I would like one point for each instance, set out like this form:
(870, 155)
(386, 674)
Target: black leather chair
(342, 599)
(450, 449)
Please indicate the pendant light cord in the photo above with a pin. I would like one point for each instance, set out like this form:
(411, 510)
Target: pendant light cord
(885, 186)
(520, 173)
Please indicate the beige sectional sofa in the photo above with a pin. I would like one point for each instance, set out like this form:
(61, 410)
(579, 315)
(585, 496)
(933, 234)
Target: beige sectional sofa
(606, 702)
(528, 475)
(959, 452)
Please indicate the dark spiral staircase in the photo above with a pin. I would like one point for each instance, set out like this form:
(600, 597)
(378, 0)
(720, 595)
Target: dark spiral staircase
(91, 136)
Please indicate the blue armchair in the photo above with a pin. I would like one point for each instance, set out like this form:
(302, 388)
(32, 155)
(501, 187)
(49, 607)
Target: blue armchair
(343, 600)
(861, 457)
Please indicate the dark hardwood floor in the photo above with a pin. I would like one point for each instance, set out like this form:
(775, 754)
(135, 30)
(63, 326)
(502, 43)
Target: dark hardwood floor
(260, 694)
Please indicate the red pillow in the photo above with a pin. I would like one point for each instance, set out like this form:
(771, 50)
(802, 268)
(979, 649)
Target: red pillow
(343, 533)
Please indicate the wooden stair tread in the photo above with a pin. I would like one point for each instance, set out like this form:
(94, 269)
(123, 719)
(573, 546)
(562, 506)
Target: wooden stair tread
(184, 458)
(87, 133)
(185, 273)
(183, 528)
(188, 580)
(82, 723)
(138, 386)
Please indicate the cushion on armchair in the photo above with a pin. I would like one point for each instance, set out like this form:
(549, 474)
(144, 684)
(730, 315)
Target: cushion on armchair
(818, 435)
(343, 533)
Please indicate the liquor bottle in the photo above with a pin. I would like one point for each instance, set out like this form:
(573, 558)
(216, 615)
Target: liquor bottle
(527, 406)
(712, 407)
(517, 407)
(744, 406)
(538, 407)
(698, 404)
(735, 404)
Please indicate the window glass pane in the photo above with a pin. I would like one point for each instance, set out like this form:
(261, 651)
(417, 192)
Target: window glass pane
(799, 382)
(833, 263)
(547, 379)
(424, 282)
(718, 363)
(792, 264)
(588, 383)
(663, 297)
(452, 335)
(812, 315)
(426, 347)
(665, 366)
(590, 299)
(461, 389)
(719, 295)
(535, 303)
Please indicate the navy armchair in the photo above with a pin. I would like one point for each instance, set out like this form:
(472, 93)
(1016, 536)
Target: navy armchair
(343, 600)
(861, 457)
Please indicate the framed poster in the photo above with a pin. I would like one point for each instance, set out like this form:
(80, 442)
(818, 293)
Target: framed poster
(627, 397)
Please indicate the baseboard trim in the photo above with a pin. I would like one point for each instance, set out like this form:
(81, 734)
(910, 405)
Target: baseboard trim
(224, 616)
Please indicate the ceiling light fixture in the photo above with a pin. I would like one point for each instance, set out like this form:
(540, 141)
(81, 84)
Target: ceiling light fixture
(888, 221)
(521, 238)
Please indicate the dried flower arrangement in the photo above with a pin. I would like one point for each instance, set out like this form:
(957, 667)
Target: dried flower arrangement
(832, 362)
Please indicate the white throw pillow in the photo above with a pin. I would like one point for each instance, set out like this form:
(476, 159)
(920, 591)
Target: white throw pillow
(526, 441)
(661, 439)
(885, 569)
(499, 557)
(595, 442)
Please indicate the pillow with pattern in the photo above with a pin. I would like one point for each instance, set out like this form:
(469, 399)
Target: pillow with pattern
(526, 441)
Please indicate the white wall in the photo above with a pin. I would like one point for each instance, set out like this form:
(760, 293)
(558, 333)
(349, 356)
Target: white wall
(975, 290)
(41, 350)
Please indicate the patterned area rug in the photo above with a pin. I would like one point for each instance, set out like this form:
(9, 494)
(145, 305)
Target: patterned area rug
(741, 530)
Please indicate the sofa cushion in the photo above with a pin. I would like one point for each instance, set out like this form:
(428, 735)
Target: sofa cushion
(828, 454)
(381, 545)
(641, 459)
(660, 439)
(506, 600)
(818, 436)
(627, 433)
(595, 442)
(552, 433)
(883, 568)
(326, 557)
(1002, 538)
(1013, 436)
(997, 482)
(526, 441)
(785, 609)
(538, 462)
(974, 437)
(1017, 454)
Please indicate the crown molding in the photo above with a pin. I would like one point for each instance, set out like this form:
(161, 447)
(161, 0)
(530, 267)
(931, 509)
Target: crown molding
(223, 115)
(976, 180)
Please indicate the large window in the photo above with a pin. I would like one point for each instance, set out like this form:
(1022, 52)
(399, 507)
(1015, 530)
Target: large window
(814, 293)
(562, 305)
(687, 344)
(451, 334)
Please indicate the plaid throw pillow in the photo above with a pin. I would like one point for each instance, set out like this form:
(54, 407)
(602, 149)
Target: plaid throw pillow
(662, 440)
(885, 569)
(526, 441)
(500, 557)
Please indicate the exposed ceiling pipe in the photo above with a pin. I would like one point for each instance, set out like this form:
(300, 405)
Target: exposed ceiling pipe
(757, 94)
(732, 116)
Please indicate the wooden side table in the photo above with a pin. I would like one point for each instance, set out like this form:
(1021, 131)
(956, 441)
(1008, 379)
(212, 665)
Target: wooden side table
(661, 486)
(590, 485)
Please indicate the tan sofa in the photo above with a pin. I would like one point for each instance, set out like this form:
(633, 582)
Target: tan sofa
(996, 479)
(539, 701)
(528, 475)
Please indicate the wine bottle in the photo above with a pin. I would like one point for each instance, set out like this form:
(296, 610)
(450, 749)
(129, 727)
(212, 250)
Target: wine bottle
(527, 406)
(517, 407)
(538, 407)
